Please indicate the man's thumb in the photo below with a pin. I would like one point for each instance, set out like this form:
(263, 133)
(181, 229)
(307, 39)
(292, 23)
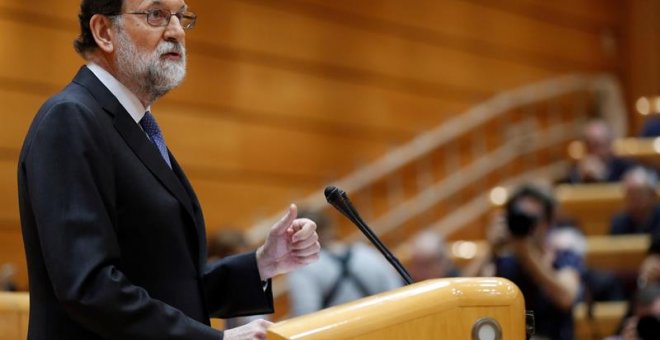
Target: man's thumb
(287, 220)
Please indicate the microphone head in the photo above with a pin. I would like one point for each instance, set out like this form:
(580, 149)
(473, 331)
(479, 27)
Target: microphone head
(332, 193)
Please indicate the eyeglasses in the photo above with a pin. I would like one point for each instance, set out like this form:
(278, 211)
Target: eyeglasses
(161, 18)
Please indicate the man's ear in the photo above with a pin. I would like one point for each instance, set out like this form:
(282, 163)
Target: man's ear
(103, 32)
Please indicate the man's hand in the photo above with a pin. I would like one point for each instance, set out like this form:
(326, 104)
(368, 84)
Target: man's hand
(290, 244)
(498, 232)
(253, 330)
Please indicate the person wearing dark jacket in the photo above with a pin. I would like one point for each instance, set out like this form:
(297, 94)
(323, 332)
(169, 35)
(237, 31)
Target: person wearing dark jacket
(114, 234)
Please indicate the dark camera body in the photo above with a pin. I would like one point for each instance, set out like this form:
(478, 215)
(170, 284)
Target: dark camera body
(520, 223)
(648, 327)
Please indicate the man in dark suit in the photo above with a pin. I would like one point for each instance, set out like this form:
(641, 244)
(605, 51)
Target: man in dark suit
(641, 212)
(113, 232)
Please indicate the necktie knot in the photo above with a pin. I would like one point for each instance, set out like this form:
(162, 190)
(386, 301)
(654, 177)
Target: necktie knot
(149, 125)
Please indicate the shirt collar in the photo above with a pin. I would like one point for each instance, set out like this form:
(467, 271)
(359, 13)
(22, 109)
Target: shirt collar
(126, 98)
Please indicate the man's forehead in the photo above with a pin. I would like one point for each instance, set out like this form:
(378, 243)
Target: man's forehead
(177, 4)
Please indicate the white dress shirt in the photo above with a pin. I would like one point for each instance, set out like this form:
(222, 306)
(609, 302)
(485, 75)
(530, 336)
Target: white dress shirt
(126, 98)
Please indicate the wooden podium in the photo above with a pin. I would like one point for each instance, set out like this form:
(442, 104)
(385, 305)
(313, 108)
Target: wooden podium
(458, 308)
(14, 314)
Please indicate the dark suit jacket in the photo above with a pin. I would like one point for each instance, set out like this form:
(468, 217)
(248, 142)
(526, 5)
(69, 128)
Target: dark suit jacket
(114, 238)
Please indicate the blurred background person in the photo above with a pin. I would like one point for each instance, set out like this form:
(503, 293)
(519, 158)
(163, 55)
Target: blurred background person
(649, 271)
(429, 258)
(225, 242)
(643, 319)
(645, 302)
(7, 273)
(641, 214)
(549, 275)
(651, 126)
(598, 164)
(343, 273)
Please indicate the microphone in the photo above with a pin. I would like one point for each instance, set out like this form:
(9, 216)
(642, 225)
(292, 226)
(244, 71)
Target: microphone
(338, 199)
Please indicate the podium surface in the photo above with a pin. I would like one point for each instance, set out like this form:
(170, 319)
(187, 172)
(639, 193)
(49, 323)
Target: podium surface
(434, 309)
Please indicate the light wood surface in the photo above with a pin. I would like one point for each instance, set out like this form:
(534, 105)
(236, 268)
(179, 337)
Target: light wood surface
(606, 252)
(14, 309)
(591, 205)
(644, 150)
(621, 252)
(433, 309)
(604, 322)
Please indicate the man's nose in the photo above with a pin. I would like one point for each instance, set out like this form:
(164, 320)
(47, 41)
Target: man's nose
(174, 30)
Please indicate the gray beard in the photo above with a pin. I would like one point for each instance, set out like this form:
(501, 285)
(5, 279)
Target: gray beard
(147, 75)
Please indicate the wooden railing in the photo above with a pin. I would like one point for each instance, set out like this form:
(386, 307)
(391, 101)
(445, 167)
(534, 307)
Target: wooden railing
(453, 166)
(441, 179)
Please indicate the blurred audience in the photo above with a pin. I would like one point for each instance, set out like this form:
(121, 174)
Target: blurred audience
(344, 272)
(429, 258)
(641, 214)
(643, 319)
(651, 127)
(649, 271)
(598, 164)
(226, 242)
(7, 273)
(546, 266)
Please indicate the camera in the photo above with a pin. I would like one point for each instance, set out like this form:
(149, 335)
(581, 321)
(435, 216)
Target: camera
(648, 327)
(520, 222)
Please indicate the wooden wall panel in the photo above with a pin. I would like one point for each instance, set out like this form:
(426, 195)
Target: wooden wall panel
(589, 12)
(288, 96)
(45, 56)
(224, 202)
(504, 29)
(281, 32)
(11, 251)
(284, 96)
(65, 11)
(643, 45)
(253, 148)
(18, 109)
(8, 191)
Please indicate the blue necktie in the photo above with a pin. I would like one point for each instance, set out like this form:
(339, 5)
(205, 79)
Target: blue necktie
(148, 123)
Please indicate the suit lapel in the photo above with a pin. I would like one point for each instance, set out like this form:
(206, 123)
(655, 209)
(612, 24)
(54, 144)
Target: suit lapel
(151, 158)
(199, 217)
(137, 140)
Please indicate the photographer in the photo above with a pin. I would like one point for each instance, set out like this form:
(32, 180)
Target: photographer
(642, 321)
(548, 274)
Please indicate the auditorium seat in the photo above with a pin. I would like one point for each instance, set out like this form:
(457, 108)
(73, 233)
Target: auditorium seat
(604, 319)
(603, 251)
(643, 150)
(590, 205)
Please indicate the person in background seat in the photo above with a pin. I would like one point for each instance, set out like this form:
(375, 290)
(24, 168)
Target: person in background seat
(429, 258)
(599, 164)
(343, 273)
